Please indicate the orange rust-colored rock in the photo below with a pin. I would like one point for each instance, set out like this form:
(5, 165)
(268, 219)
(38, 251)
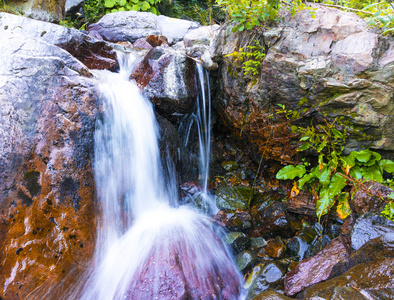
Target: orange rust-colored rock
(47, 191)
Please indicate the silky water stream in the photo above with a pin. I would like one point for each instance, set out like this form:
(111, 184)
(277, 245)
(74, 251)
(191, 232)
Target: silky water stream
(148, 247)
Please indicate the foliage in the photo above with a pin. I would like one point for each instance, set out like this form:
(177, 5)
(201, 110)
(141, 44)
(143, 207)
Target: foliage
(388, 211)
(247, 14)
(251, 57)
(138, 5)
(202, 11)
(334, 173)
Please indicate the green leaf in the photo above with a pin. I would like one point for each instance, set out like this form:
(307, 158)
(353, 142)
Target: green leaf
(144, 6)
(337, 183)
(337, 133)
(248, 26)
(109, 3)
(372, 173)
(304, 138)
(122, 2)
(306, 179)
(343, 208)
(241, 28)
(324, 203)
(324, 175)
(387, 165)
(348, 160)
(290, 172)
(303, 147)
(363, 155)
(356, 172)
(322, 146)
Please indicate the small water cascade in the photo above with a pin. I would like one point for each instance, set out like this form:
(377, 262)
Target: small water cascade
(147, 247)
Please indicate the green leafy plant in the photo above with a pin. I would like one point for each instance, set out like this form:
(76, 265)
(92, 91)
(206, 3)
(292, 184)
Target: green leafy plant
(334, 174)
(138, 5)
(247, 14)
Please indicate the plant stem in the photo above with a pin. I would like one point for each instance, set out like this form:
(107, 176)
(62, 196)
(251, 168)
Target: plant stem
(348, 8)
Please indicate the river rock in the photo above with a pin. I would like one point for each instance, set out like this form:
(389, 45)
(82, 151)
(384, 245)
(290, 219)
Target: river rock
(129, 26)
(95, 54)
(271, 295)
(331, 65)
(380, 247)
(369, 227)
(167, 78)
(238, 220)
(368, 198)
(316, 268)
(371, 280)
(48, 109)
(265, 276)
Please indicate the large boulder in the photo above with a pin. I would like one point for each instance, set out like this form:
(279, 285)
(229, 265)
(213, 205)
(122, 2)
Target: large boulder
(48, 108)
(331, 65)
(131, 25)
(95, 54)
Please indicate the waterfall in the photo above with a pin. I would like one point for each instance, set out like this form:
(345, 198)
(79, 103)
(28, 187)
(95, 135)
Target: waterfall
(147, 248)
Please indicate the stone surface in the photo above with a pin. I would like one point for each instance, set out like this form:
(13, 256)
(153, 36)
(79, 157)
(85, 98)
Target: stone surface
(275, 248)
(48, 108)
(368, 198)
(271, 295)
(375, 249)
(72, 5)
(238, 220)
(369, 227)
(371, 280)
(331, 65)
(233, 197)
(316, 268)
(95, 54)
(45, 10)
(167, 78)
(265, 276)
(131, 25)
(270, 218)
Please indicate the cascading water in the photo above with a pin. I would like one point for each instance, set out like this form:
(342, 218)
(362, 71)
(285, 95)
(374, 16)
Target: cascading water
(147, 248)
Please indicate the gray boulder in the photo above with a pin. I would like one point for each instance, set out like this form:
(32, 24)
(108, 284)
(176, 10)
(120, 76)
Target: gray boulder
(131, 25)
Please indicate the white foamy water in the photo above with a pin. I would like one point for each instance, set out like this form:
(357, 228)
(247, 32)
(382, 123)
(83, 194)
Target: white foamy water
(147, 249)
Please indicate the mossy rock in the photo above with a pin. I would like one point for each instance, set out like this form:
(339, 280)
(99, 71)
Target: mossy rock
(233, 198)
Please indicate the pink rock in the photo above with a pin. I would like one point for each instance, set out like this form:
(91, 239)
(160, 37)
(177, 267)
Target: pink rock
(316, 268)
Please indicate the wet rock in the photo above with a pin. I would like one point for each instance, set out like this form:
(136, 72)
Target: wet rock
(183, 272)
(95, 54)
(265, 277)
(245, 260)
(230, 165)
(371, 280)
(380, 247)
(156, 40)
(298, 247)
(238, 241)
(275, 248)
(167, 78)
(131, 25)
(270, 217)
(233, 198)
(316, 268)
(369, 227)
(258, 243)
(311, 66)
(49, 106)
(142, 44)
(238, 220)
(271, 295)
(368, 198)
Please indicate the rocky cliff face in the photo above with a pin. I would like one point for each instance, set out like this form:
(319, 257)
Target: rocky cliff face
(331, 65)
